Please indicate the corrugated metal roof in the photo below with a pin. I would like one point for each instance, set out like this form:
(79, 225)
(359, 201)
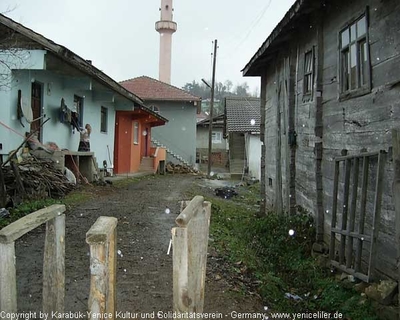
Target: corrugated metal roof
(242, 114)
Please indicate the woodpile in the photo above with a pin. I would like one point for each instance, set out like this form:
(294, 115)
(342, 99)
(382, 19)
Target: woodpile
(179, 168)
(32, 179)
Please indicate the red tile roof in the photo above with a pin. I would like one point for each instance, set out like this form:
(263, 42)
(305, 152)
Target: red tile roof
(151, 89)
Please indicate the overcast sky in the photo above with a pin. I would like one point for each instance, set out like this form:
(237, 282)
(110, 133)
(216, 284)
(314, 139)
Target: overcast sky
(119, 35)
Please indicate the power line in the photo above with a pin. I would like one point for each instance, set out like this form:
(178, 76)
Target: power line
(255, 22)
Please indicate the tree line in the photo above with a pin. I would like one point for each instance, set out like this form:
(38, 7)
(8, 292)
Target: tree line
(221, 90)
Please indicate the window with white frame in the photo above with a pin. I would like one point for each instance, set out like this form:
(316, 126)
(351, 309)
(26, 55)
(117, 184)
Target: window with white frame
(136, 132)
(354, 56)
(216, 137)
(308, 72)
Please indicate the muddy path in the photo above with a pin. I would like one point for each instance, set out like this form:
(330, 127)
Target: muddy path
(144, 270)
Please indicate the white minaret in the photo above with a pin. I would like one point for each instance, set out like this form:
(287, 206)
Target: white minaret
(166, 27)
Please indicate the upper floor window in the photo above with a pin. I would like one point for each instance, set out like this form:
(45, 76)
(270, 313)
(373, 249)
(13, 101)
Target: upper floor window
(308, 72)
(103, 120)
(354, 57)
(216, 137)
(135, 132)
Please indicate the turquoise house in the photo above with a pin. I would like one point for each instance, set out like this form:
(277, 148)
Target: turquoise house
(39, 78)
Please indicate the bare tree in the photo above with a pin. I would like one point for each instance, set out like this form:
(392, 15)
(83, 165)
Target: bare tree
(12, 54)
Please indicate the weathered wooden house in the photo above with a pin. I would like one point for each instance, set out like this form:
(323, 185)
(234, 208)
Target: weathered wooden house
(330, 96)
(242, 130)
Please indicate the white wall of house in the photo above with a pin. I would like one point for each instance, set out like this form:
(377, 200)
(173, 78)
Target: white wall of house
(253, 154)
(202, 138)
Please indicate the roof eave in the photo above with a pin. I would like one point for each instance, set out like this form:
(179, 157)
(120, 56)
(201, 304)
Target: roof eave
(251, 69)
(155, 114)
(70, 57)
(169, 99)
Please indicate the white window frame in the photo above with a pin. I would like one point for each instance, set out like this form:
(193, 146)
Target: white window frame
(135, 132)
(216, 137)
(352, 85)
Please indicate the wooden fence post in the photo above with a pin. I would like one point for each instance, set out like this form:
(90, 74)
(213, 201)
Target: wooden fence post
(396, 192)
(54, 266)
(8, 281)
(190, 242)
(102, 240)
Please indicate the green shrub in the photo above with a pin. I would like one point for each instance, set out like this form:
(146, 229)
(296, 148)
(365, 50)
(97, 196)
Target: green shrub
(280, 262)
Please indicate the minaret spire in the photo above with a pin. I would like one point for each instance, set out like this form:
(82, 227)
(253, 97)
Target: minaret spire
(166, 27)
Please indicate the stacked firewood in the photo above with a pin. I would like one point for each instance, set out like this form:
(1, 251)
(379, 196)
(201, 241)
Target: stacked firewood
(34, 179)
(179, 168)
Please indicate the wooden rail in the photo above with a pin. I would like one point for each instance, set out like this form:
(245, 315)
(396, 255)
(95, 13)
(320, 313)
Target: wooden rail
(102, 239)
(190, 242)
(53, 261)
(351, 229)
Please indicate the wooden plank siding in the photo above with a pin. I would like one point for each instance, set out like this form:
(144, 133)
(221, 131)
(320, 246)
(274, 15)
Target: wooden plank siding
(327, 125)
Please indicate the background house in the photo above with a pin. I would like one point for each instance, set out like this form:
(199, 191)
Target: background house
(330, 77)
(42, 80)
(179, 107)
(220, 145)
(242, 127)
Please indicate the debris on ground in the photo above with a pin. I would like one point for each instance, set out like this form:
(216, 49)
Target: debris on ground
(251, 180)
(4, 213)
(34, 179)
(225, 192)
(179, 168)
(292, 296)
(237, 278)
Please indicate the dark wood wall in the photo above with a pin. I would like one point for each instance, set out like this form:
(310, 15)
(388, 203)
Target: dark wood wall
(326, 125)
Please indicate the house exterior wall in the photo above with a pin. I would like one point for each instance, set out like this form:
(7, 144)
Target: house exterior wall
(219, 149)
(54, 88)
(326, 124)
(128, 154)
(179, 134)
(253, 155)
(202, 139)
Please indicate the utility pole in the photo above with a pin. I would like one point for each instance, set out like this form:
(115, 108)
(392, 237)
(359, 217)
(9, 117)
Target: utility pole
(211, 110)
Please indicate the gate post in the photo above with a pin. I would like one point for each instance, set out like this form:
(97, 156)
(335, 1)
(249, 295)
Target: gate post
(102, 241)
(190, 242)
(53, 264)
(8, 280)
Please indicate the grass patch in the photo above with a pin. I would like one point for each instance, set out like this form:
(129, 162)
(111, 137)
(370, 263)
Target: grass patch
(26, 208)
(279, 262)
(76, 197)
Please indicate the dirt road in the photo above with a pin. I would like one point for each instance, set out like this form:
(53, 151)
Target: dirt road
(144, 271)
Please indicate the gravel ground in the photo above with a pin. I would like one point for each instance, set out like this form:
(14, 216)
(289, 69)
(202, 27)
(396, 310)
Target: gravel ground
(144, 270)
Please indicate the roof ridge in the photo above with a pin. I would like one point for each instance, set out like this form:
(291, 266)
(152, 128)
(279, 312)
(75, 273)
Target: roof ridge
(241, 98)
(163, 83)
